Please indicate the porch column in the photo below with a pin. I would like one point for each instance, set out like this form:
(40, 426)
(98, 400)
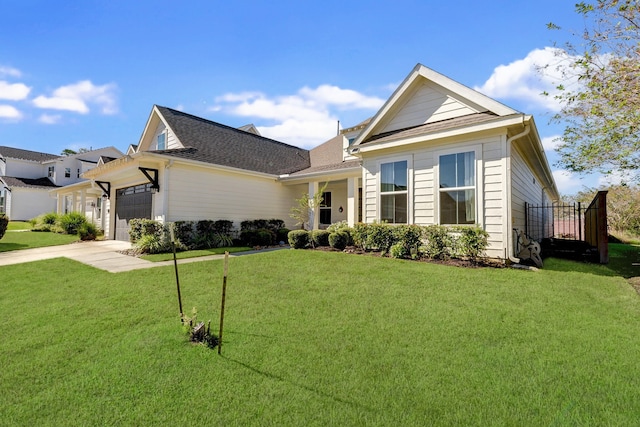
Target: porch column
(83, 203)
(314, 219)
(73, 202)
(352, 201)
(60, 203)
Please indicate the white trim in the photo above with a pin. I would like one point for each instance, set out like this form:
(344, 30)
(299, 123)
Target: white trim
(479, 185)
(418, 71)
(500, 122)
(410, 190)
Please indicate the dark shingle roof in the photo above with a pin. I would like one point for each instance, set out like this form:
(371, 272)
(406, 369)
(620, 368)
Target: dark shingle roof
(17, 153)
(11, 181)
(215, 143)
(470, 119)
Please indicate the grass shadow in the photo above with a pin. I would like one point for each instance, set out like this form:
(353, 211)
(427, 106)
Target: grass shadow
(299, 385)
(624, 261)
(6, 247)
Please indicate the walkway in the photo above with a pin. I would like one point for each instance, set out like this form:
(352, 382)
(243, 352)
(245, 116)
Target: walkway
(101, 254)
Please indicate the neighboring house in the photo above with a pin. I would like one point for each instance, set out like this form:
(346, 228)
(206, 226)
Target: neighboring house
(437, 152)
(27, 177)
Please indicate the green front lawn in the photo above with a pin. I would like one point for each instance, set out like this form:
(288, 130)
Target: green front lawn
(320, 338)
(195, 253)
(18, 225)
(14, 240)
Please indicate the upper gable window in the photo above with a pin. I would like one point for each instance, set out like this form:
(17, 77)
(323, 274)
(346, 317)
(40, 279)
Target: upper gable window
(458, 188)
(67, 172)
(51, 171)
(162, 141)
(394, 192)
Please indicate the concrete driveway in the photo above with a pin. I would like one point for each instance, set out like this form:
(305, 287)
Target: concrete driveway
(100, 254)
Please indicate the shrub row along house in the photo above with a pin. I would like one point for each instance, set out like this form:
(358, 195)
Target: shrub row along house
(27, 177)
(437, 152)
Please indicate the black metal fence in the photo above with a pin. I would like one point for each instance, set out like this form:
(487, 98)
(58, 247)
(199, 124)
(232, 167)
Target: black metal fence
(565, 221)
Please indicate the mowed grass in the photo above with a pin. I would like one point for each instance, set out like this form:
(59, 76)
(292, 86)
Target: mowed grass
(19, 225)
(15, 240)
(320, 338)
(194, 253)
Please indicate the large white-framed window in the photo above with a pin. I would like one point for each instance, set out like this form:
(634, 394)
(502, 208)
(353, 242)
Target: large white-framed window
(394, 191)
(458, 184)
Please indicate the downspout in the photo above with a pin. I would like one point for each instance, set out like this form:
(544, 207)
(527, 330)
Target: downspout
(510, 243)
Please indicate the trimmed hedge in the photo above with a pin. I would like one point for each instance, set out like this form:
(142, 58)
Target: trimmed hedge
(298, 239)
(408, 241)
(4, 223)
(320, 237)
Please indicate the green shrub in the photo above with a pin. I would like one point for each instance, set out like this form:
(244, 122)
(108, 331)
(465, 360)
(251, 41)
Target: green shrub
(4, 223)
(438, 243)
(259, 237)
(149, 244)
(380, 237)
(184, 231)
(45, 222)
(320, 237)
(409, 237)
(88, 231)
(399, 250)
(342, 226)
(338, 240)
(471, 241)
(70, 222)
(223, 226)
(298, 239)
(282, 235)
(139, 227)
(360, 235)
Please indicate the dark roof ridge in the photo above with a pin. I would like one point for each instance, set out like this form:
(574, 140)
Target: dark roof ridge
(202, 119)
(39, 153)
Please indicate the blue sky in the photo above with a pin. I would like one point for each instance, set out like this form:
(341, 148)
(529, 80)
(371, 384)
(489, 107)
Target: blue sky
(81, 73)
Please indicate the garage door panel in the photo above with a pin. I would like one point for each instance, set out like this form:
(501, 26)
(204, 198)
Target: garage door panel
(131, 202)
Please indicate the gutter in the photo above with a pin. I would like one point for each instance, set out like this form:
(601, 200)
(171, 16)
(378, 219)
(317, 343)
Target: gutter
(510, 244)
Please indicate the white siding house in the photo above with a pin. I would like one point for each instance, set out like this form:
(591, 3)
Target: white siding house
(437, 152)
(27, 177)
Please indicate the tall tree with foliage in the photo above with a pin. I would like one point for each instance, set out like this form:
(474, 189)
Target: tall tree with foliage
(601, 109)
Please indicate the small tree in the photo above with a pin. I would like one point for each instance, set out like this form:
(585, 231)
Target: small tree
(601, 98)
(305, 206)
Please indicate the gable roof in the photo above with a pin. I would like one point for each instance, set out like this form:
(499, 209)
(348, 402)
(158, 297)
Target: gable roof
(207, 141)
(11, 182)
(473, 103)
(328, 156)
(18, 153)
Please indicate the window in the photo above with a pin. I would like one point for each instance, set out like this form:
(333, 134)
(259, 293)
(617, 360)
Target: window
(78, 173)
(162, 141)
(2, 200)
(325, 208)
(393, 192)
(51, 171)
(67, 172)
(457, 188)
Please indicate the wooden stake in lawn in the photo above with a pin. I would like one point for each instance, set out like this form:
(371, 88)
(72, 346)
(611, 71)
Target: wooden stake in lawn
(224, 293)
(175, 265)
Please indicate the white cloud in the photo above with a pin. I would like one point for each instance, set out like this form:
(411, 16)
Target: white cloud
(13, 91)
(524, 80)
(306, 118)
(616, 178)
(10, 112)
(550, 143)
(78, 96)
(50, 119)
(567, 182)
(10, 71)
